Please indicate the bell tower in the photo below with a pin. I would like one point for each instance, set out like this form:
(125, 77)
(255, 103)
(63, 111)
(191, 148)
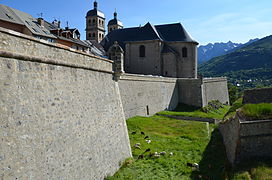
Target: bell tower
(95, 24)
(114, 23)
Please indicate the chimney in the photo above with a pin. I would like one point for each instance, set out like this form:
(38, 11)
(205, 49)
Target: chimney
(41, 22)
(56, 23)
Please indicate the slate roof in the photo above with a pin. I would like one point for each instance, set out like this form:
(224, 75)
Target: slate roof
(167, 32)
(22, 18)
(6, 14)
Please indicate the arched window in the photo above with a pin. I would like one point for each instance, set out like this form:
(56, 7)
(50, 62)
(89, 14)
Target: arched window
(93, 34)
(184, 52)
(142, 51)
(90, 35)
(110, 29)
(93, 21)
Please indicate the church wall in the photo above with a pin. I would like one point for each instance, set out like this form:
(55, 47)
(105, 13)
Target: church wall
(187, 67)
(150, 64)
(61, 115)
(147, 95)
(169, 65)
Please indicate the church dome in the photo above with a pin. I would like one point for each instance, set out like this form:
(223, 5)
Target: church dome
(115, 21)
(95, 12)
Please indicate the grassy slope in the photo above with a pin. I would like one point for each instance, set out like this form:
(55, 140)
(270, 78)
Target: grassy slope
(189, 141)
(191, 111)
(258, 111)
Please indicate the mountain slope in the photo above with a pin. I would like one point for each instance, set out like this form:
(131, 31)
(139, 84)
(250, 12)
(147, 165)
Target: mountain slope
(210, 50)
(251, 63)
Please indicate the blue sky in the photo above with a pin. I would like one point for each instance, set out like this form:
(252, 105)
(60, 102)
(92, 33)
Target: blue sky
(207, 21)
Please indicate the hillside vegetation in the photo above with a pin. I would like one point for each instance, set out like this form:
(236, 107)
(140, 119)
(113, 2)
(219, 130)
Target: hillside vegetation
(250, 66)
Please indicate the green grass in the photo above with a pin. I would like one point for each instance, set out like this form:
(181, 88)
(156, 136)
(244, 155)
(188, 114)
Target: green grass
(191, 111)
(232, 110)
(189, 141)
(257, 111)
(253, 170)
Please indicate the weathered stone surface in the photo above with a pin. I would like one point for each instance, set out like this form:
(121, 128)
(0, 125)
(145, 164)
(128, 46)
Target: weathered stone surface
(61, 112)
(147, 95)
(247, 139)
(256, 96)
(56, 121)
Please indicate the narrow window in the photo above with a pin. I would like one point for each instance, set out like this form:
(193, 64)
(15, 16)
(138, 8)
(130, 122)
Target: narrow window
(147, 110)
(93, 34)
(93, 21)
(110, 29)
(184, 52)
(142, 51)
(90, 21)
(90, 35)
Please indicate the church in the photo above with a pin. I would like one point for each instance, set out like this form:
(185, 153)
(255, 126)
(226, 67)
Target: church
(161, 50)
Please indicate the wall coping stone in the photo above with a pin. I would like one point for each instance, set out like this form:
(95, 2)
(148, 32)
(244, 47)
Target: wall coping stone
(23, 57)
(23, 36)
(150, 78)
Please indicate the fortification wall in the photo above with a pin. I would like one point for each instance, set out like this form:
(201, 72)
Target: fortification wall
(230, 132)
(256, 96)
(247, 139)
(215, 89)
(61, 115)
(147, 95)
(190, 92)
(256, 139)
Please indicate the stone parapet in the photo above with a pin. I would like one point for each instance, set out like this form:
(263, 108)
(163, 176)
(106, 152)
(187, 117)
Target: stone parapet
(27, 48)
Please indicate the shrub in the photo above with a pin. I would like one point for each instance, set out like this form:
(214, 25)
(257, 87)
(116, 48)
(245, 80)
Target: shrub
(212, 106)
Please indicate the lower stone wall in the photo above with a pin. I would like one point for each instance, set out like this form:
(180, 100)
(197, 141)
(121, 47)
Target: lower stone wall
(256, 96)
(245, 140)
(256, 139)
(215, 89)
(230, 132)
(58, 119)
(147, 95)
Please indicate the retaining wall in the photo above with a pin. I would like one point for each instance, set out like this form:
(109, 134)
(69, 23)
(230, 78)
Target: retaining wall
(256, 96)
(245, 140)
(147, 95)
(61, 115)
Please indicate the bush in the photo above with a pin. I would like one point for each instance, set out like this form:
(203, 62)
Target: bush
(212, 106)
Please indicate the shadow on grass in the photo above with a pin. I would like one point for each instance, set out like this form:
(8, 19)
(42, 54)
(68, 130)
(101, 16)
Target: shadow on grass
(214, 164)
(255, 168)
(186, 108)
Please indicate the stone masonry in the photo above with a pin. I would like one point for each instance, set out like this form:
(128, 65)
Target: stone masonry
(62, 112)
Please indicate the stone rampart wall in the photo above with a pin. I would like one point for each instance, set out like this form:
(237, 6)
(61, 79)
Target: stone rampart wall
(147, 95)
(230, 132)
(256, 96)
(247, 139)
(61, 115)
(190, 92)
(215, 89)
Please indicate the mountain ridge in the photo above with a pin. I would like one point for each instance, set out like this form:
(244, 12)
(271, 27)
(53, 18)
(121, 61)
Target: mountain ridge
(211, 50)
